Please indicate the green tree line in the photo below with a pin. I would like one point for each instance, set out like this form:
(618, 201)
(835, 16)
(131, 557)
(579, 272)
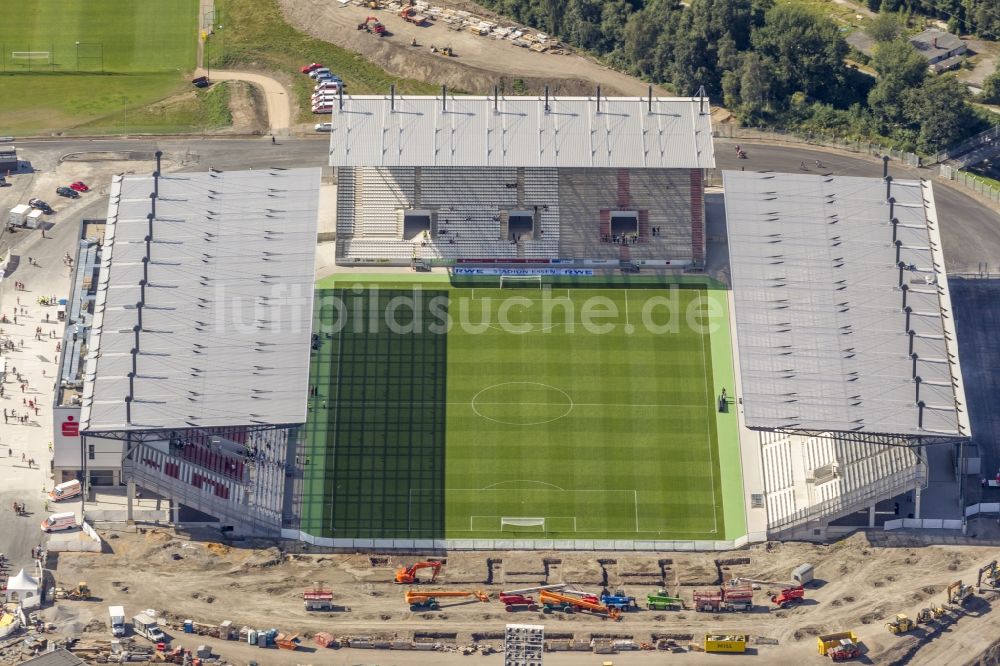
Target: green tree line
(779, 64)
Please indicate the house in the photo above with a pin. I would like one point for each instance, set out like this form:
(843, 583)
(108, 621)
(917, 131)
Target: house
(942, 50)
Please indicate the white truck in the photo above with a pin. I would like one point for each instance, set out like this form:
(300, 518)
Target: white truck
(148, 626)
(117, 614)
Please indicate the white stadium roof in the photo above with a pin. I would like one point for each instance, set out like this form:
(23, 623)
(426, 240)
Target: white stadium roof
(824, 341)
(225, 329)
(410, 131)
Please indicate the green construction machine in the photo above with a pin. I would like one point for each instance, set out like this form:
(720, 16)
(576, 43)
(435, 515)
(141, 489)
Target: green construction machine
(662, 601)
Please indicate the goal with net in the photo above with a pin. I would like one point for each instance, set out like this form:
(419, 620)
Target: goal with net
(520, 281)
(518, 523)
(30, 57)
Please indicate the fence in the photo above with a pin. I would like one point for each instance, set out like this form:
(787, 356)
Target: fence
(813, 139)
(971, 182)
(520, 544)
(967, 181)
(923, 524)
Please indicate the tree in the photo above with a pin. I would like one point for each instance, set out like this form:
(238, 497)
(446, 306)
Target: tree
(805, 51)
(756, 85)
(991, 89)
(884, 27)
(939, 109)
(900, 68)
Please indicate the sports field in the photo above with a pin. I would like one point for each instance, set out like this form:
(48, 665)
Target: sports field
(539, 412)
(66, 62)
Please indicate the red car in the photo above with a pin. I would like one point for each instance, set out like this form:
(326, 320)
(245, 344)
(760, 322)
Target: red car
(311, 67)
(79, 186)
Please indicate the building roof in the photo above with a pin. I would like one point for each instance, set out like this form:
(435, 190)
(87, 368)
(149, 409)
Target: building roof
(225, 329)
(385, 130)
(55, 658)
(822, 333)
(935, 43)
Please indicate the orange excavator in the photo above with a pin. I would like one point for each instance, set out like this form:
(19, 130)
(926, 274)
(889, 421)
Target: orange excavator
(408, 575)
(421, 601)
(569, 603)
(372, 25)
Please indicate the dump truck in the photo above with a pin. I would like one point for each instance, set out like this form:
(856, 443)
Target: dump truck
(901, 624)
(663, 601)
(726, 642)
(727, 598)
(117, 615)
(148, 627)
(840, 646)
(619, 601)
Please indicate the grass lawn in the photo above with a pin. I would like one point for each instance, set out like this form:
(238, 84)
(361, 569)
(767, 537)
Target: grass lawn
(255, 33)
(130, 55)
(582, 407)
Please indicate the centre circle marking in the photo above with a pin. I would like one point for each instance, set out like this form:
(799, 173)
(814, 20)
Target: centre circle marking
(569, 404)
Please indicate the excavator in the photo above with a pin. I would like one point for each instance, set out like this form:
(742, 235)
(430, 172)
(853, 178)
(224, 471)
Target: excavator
(782, 593)
(424, 601)
(568, 603)
(372, 25)
(408, 575)
(992, 575)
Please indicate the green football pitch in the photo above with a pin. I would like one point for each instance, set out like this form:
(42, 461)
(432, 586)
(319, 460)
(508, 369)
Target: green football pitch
(537, 412)
(98, 35)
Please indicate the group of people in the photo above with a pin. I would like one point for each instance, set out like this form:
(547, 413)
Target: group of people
(620, 239)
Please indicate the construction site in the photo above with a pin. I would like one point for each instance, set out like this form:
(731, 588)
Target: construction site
(180, 597)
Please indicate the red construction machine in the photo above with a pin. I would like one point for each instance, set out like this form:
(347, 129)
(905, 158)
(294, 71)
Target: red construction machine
(408, 575)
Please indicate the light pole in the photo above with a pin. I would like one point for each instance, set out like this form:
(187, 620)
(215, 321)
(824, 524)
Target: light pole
(78, 56)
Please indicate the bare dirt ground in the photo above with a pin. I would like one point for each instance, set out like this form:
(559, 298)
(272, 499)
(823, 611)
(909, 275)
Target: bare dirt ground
(248, 107)
(861, 587)
(480, 62)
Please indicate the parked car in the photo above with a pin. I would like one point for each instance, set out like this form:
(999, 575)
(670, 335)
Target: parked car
(80, 186)
(310, 67)
(40, 205)
(328, 84)
(321, 71)
(67, 192)
(200, 82)
(324, 127)
(323, 109)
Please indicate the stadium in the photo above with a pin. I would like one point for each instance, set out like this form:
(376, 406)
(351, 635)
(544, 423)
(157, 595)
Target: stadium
(523, 345)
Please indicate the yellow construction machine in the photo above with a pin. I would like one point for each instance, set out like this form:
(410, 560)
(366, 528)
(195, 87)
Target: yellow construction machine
(79, 593)
(958, 593)
(901, 624)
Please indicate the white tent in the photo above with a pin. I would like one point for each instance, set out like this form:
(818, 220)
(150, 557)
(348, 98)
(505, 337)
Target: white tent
(24, 589)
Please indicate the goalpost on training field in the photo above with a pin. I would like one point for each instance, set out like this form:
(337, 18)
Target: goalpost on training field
(519, 522)
(520, 281)
(30, 58)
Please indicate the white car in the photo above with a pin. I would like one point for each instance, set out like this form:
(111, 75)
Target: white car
(331, 86)
(324, 127)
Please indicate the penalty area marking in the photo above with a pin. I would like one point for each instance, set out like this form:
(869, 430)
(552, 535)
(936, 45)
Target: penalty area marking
(499, 483)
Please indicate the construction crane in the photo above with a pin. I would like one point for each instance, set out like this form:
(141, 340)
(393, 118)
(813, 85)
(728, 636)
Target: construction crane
(421, 601)
(516, 599)
(567, 603)
(958, 594)
(663, 601)
(408, 575)
(992, 575)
